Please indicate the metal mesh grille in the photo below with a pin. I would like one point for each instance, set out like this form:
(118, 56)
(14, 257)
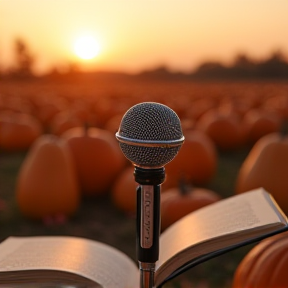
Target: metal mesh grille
(150, 121)
(149, 156)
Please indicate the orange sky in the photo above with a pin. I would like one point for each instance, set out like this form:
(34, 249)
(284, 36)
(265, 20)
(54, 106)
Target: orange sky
(142, 34)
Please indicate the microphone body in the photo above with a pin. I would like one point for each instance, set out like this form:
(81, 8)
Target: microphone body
(150, 136)
(148, 212)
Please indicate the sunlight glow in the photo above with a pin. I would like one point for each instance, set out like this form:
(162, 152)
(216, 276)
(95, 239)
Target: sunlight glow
(86, 47)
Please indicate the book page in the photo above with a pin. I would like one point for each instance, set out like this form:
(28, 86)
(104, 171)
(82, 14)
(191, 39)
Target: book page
(238, 214)
(94, 260)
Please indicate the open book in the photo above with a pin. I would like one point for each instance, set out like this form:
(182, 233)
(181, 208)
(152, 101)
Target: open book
(56, 261)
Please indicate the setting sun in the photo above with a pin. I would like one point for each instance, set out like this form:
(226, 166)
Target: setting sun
(86, 47)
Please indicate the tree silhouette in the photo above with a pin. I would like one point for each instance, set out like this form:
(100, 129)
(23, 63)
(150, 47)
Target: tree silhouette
(274, 67)
(24, 59)
(243, 67)
(211, 69)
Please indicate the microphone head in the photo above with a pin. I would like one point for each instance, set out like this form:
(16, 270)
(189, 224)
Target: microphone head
(150, 135)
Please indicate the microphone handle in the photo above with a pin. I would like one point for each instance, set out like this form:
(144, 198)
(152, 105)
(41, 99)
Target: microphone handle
(148, 223)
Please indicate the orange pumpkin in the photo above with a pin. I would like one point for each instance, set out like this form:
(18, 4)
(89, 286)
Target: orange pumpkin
(113, 123)
(187, 124)
(225, 130)
(258, 123)
(98, 158)
(277, 102)
(81, 109)
(47, 183)
(18, 130)
(180, 201)
(266, 166)
(64, 121)
(105, 108)
(196, 161)
(235, 106)
(48, 107)
(15, 103)
(199, 107)
(265, 266)
(123, 193)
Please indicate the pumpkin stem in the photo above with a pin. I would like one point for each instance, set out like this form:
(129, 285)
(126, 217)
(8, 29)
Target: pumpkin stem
(284, 128)
(184, 186)
(86, 127)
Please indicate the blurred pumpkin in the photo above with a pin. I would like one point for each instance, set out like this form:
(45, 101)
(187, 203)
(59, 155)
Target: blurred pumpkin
(258, 123)
(106, 108)
(123, 193)
(199, 106)
(196, 161)
(223, 128)
(238, 106)
(187, 124)
(18, 130)
(179, 201)
(98, 158)
(64, 121)
(266, 166)
(82, 110)
(277, 102)
(47, 107)
(113, 123)
(15, 103)
(47, 184)
(265, 266)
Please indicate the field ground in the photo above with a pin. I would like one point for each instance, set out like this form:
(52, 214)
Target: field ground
(97, 218)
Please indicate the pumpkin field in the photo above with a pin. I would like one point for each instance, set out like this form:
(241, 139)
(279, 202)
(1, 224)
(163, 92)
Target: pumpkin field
(63, 173)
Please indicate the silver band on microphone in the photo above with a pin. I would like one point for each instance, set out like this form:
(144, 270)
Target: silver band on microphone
(150, 143)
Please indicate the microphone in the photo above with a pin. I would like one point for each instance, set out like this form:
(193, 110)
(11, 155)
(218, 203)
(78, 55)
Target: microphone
(150, 136)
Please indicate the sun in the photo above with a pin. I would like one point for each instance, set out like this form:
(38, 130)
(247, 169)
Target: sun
(86, 47)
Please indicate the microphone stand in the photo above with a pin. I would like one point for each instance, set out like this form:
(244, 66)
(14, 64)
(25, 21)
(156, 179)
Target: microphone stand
(148, 221)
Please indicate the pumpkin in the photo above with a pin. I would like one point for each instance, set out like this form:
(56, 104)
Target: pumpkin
(179, 201)
(123, 193)
(105, 108)
(47, 107)
(278, 102)
(187, 124)
(18, 130)
(224, 129)
(266, 166)
(265, 265)
(64, 121)
(81, 109)
(196, 161)
(235, 106)
(46, 184)
(199, 107)
(98, 158)
(113, 123)
(15, 103)
(258, 123)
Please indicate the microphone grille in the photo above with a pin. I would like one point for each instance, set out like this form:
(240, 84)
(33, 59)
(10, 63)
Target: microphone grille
(150, 122)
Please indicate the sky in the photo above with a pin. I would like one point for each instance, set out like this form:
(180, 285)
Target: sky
(135, 35)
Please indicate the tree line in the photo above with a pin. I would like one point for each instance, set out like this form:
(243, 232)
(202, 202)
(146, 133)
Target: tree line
(243, 67)
(275, 66)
